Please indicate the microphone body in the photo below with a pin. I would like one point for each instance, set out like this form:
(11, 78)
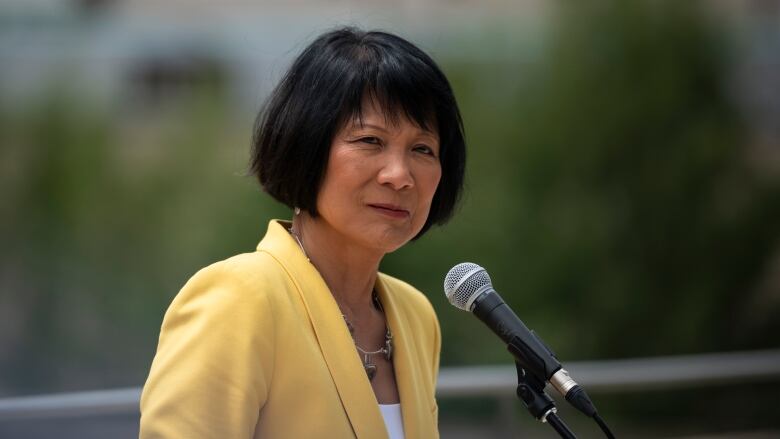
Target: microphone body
(468, 287)
(522, 342)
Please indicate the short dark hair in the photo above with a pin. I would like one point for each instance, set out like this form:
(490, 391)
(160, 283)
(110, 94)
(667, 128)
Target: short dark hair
(324, 88)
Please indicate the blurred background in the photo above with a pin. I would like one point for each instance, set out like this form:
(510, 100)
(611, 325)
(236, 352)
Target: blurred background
(623, 188)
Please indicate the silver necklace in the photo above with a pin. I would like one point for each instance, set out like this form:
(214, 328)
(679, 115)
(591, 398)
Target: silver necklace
(300, 243)
(366, 356)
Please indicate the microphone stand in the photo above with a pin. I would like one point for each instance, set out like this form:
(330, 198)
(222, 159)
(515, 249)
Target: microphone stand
(530, 390)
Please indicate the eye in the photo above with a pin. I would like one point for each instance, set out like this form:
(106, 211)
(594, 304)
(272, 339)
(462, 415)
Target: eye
(425, 149)
(370, 140)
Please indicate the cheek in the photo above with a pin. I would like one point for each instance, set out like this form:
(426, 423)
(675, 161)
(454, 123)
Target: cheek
(341, 187)
(428, 185)
(431, 182)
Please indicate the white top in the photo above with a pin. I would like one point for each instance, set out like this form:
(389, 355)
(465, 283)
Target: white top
(393, 420)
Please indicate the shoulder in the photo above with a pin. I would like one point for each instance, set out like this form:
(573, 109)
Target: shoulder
(245, 268)
(403, 289)
(407, 295)
(223, 309)
(246, 279)
(215, 355)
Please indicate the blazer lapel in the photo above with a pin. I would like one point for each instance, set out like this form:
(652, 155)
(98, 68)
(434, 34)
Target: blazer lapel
(406, 376)
(338, 348)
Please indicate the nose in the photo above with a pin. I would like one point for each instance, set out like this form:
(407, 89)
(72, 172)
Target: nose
(396, 172)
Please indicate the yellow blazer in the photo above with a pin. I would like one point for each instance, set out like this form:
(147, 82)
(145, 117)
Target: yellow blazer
(255, 347)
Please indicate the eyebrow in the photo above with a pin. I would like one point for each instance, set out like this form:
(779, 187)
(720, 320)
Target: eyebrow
(358, 124)
(381, 128)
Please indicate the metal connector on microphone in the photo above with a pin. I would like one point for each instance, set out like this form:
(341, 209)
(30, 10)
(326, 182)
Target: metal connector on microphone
(562, 381)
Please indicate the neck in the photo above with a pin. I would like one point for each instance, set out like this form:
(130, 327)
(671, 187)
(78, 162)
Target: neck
(348, 269)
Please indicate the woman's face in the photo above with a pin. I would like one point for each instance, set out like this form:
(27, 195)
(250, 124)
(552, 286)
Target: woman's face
(380, 180)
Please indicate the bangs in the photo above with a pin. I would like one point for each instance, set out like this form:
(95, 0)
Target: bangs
(394, 86)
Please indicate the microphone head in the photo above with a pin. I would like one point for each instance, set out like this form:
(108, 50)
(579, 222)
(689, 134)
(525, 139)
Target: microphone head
(464, 283)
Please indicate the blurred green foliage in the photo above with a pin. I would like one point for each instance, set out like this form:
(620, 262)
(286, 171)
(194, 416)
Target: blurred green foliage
(607, 195)
(105, 216)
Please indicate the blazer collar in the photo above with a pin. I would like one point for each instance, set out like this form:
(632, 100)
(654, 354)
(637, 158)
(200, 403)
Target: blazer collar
(338, 348)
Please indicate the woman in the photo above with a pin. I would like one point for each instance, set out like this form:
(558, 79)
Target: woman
(304, 338)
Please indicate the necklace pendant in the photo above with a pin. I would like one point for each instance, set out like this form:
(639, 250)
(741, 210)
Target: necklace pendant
(370, 370)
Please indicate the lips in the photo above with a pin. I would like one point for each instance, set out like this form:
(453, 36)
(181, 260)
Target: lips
(390, 210)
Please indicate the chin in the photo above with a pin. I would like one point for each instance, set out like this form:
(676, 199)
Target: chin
(391, 249)
(391, 242)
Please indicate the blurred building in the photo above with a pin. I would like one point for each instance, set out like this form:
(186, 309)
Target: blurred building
(142, 52)
(134, 50)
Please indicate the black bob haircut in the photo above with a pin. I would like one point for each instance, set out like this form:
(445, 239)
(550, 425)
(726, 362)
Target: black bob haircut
(324, 88)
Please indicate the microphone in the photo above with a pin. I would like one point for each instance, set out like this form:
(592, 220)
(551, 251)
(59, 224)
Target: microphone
(468, 287)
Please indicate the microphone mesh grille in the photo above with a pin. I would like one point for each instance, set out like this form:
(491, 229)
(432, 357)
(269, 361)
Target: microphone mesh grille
(462, 282)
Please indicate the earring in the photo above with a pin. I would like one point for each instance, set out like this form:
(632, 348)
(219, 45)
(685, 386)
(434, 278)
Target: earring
(297, 211)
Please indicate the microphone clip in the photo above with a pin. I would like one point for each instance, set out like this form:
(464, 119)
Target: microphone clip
(530, 390)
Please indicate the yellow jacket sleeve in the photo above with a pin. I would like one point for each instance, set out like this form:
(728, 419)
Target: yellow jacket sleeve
(209, 378)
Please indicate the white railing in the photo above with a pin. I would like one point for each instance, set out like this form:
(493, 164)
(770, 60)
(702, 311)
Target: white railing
(627, 375)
